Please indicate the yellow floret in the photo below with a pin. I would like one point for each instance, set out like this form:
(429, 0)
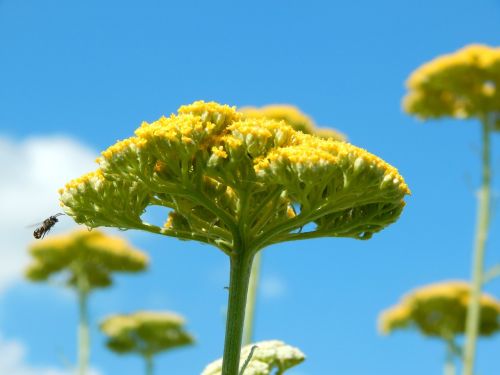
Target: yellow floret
(211, 111)
(120, 146)
(89, 178)
(219, 151)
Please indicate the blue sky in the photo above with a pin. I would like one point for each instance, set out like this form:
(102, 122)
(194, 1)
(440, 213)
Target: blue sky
(77, 76)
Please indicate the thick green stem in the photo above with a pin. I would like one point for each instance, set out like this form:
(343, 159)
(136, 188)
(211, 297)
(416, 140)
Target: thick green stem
(241, 266)
(149, 364)
(252, 300)
(83, 326)
(483, 219)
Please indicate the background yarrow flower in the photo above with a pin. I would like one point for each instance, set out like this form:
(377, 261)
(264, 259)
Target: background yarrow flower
(439, 310)
(293, 117)
(91, 255)
(146, 333)
(464, 84)
(86, 260)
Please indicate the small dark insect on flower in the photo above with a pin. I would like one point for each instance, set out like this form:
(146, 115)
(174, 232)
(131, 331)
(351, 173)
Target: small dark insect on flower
(46, 226)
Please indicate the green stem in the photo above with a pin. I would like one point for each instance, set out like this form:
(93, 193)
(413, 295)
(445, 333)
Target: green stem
(83, 326)
(241, 266)
(483, 219)
(149, 364)
(449, 366)
(252, 300)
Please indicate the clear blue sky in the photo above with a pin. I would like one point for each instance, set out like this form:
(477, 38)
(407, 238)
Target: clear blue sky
(93, 70)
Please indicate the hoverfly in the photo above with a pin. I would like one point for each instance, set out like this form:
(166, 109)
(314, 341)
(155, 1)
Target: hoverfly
(45, 226)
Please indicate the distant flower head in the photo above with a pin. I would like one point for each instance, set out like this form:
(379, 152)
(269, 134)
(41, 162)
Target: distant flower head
(288, 113)
(93, 254)
(225, 176)
(146, 332)
(267, 358)
(464, 84)
(293, 117)
(440, 310)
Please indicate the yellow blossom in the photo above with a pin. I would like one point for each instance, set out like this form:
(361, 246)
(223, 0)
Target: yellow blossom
(288, 113)
(440, 310)
(464, 84)
(293, 117)
(91, 255)
(252, 159)
(145, 332)
(230, 181)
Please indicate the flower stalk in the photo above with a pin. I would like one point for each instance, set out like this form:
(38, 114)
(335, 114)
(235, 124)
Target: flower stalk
(449, 365)
(252, 300)
(241, 266)
(83, 325)
(149, 364)
(483, 220)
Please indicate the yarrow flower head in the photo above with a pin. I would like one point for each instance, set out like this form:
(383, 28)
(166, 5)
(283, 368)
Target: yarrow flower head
(91, 255)
(145, 332)
(268, 357)
(439, 310)
(225, 175)
(239, 184)
(294, 117)
(464, 84)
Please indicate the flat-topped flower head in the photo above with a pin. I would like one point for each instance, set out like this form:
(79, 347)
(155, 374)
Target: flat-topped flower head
(293, 117)
(440, 310)
(239, 184)
(464, 84)
(145, 332)
(226, 175)
(92, 255)
(269, 357)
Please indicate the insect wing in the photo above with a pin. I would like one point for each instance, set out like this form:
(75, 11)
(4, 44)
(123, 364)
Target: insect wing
(35, 225)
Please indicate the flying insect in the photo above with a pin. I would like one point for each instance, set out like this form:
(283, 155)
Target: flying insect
(45, 226)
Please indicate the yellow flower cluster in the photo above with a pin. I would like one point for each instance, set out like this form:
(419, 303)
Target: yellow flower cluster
(145, 332)
(268, 357)
(440, 310)
(91, 255)
(463, 84)
(216, 169)
(293, 117)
